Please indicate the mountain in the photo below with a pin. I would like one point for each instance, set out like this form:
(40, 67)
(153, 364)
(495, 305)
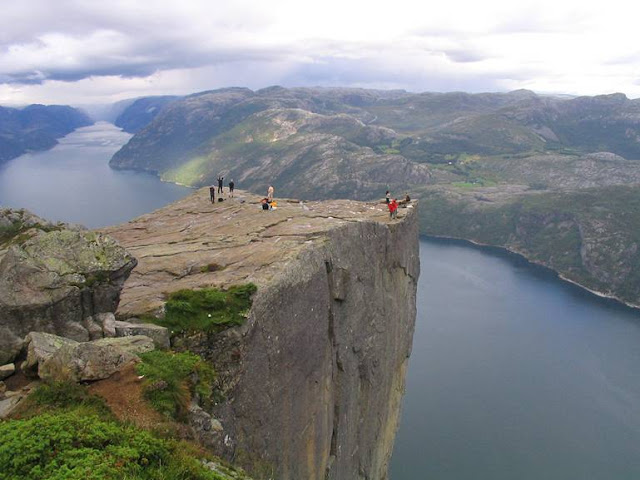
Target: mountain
(549, 177)
(141, 112)
(36, 127)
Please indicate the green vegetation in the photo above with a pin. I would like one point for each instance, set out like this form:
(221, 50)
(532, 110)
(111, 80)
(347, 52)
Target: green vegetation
(172, 379)
(208, 310)
(67, 434)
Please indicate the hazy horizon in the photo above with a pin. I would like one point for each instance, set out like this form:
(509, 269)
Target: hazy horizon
(85, 53)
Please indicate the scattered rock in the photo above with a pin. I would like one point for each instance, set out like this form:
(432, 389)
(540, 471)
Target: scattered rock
(160, 335)
(3, 389)
(7, 370)
(40, 348)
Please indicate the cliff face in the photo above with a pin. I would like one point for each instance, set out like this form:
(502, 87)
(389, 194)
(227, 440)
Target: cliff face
(312, 382)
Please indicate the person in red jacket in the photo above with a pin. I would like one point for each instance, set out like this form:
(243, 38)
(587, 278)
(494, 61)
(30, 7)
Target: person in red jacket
(393, 208)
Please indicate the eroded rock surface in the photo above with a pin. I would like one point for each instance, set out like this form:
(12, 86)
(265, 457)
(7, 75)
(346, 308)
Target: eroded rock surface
(313, 381)
(57, 282)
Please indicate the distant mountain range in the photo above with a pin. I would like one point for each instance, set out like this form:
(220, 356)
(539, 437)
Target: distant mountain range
(554, 178)
(36, 127)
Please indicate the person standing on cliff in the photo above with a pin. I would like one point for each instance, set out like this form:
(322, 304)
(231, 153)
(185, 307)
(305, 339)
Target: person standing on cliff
(387, 197)
(231, 187)
(270, 193)
(220, 179)
(212, 193)
(393, 209)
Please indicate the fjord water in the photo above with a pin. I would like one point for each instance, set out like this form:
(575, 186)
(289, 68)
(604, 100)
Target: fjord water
(73, 182)
(515, 374)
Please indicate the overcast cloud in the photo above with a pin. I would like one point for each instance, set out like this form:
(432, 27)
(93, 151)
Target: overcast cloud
(82, 52)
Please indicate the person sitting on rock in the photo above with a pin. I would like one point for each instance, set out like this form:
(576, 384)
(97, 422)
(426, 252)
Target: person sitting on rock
(265, 203)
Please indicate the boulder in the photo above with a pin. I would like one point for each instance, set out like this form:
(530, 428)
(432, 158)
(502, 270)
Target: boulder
(59, 282)
(40, 348)
(135, 344)
(8, 405)
(108, 322)
(7, 370)
(160, 335)
(94, 360)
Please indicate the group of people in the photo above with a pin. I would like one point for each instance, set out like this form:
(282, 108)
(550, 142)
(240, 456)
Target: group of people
(393, 204)
(268, 203)
(212, 189)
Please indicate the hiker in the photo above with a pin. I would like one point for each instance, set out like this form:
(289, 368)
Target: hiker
(393, 208)
(270, 193)
(405, 202)
(387, 197)
(212, 193)
(220, 178)
(231, 187)
(265, 204)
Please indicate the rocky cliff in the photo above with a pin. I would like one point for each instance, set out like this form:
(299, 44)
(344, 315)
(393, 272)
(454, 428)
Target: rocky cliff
(311, 384)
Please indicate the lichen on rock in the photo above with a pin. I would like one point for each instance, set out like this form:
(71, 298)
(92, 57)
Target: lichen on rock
(57, 282)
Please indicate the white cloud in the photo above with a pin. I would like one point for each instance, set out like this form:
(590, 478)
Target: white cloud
(80, 52)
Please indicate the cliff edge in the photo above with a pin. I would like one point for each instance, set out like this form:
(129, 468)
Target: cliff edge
(311, 384)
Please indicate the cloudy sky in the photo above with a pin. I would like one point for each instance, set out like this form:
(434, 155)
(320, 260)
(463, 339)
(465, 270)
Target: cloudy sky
(83, 52)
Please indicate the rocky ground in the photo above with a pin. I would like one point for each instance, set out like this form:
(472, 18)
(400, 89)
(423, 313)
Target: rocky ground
(193, 243)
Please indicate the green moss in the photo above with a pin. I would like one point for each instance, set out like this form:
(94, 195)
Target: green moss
(172, 379)
(208, 310)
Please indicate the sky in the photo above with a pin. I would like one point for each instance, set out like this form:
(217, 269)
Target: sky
(95, 52)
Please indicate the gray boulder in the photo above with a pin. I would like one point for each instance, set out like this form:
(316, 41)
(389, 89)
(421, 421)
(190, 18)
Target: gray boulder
(135, 344)
(160, 335)
(7, 370)
(93, 360)
(40, 348)
(59, 282)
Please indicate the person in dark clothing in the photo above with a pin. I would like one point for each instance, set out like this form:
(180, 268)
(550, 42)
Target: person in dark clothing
(212, 193)
(220, 179)
(231, 187)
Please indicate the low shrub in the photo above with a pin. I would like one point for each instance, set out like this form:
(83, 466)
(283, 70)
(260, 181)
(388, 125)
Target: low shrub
(172, 379)
(207, 309)
(69, 445)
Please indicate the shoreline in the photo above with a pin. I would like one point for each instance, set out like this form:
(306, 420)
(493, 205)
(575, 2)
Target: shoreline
(533, 262)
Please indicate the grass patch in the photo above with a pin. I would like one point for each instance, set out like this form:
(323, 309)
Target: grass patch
(172, 379)
(208, 310)
(211, 267)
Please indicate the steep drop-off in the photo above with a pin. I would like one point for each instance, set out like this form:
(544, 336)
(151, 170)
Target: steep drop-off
(311, 384)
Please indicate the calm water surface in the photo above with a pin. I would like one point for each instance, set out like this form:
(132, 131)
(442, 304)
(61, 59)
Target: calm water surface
(516, 375)
(73, 182)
